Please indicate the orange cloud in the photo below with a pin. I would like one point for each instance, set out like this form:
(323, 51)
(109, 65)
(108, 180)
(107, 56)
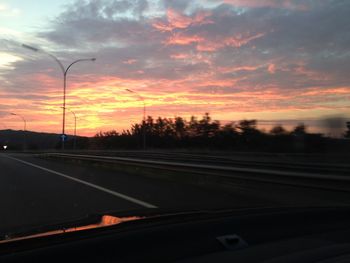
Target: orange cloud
(234, 41)
(209, 45)
(328, 91)
(235, 69)
(241, 40)
(180, 56)
(182, 39)
(177, 20)
(130, 61)
(271, 68)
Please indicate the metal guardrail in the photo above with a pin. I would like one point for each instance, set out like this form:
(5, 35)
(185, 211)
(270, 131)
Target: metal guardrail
(319, 167)
(314, 180)
(279, 162)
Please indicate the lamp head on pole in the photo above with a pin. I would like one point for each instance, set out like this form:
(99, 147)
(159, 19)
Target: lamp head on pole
(30, 47)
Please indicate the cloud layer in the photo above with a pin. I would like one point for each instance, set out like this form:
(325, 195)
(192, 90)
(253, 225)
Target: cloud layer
(265, 59)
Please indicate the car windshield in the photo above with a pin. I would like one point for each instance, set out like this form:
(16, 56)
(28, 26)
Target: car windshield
(117, 106)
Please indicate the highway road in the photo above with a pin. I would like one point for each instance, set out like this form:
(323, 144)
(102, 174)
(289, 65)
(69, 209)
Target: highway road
(36, 192)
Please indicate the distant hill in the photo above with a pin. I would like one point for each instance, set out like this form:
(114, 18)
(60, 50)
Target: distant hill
(17, 140)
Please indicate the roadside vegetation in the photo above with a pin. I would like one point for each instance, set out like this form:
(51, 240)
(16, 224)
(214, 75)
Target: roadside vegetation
(206, 133)
(193, 134)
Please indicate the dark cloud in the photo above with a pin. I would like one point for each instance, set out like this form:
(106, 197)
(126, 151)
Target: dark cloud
(87, 23)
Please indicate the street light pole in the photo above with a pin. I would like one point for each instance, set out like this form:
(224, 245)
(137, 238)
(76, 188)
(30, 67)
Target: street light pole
(24, 128)
(75, 131)
(65, 72)
(23, 119)
(64, 92)
(144, 117)
(75, 128)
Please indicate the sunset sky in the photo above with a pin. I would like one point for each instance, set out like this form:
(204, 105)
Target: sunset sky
(270, 60)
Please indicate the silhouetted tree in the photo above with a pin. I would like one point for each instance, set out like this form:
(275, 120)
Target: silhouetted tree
(206, 133)
(299, 130)
(347, 133)
(180, 127)
(278, 130)
(229, 129)
(247, 127)
(192, 127)
(299, 133)
(206, 127)
(250, 136)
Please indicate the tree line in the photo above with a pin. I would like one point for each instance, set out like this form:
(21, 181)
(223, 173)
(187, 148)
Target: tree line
(206, 133)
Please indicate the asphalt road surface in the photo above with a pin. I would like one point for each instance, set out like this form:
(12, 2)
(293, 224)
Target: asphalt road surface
(36, 192)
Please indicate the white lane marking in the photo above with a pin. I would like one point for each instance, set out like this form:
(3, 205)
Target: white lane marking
(128, 198)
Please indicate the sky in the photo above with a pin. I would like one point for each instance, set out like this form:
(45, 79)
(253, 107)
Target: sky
(278, 61)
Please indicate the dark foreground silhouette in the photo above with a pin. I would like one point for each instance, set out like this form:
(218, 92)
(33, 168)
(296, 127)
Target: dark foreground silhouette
(193, 134)
(206, 133)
